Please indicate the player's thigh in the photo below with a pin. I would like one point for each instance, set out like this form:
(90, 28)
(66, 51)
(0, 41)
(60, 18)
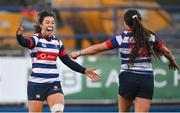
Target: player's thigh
(35, 106)
(124, 105)
(142, 104)
(55, 94)
(57, 98)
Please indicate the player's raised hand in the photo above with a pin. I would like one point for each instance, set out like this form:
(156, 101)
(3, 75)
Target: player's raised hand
(19, 30)
(92, 75)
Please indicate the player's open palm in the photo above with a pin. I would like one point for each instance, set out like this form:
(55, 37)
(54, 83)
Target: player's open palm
(92, 75)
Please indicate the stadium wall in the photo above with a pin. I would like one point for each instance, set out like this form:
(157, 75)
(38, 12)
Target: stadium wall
(78, 89)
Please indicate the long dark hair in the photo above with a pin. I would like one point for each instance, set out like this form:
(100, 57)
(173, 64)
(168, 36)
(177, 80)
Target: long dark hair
(41, 15)
(141, 35)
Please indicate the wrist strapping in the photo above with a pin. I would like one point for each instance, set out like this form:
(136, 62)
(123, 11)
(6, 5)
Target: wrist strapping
(78, 53)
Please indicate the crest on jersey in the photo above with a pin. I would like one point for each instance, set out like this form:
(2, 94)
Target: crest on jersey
(43, 45)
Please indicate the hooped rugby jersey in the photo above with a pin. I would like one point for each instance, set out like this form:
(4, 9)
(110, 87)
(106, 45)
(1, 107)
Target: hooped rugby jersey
(125, 42)
(44, 56)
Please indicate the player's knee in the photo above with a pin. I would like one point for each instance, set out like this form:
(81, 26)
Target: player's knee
(57, 108)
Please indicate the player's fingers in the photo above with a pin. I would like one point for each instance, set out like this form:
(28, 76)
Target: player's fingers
(174, 66)
(177, 67)
(21, 24)
(20, 28)
(96, 77)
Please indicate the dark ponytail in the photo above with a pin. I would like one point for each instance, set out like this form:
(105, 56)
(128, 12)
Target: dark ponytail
(37, 28)
(41, 17)
(141, 35)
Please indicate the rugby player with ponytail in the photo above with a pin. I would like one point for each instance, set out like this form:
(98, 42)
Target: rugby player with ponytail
(137, 44)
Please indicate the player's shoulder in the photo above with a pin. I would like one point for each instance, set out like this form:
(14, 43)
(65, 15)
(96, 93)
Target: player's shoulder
(152, 37)
(57, 40)
(123, 34)
(54, 37)
(60, 42)
(126, 33)
(36, 35)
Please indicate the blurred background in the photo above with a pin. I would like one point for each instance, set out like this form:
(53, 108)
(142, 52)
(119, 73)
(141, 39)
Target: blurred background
(81, 23)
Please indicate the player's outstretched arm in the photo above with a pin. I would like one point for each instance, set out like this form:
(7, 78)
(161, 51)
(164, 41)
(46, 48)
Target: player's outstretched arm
(79, 68)
(94, 49)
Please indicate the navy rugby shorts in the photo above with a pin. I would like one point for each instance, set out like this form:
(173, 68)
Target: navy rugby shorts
(132, 85)
(40, 91)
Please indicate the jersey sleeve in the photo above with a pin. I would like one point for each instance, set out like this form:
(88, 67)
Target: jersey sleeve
(31, 43)
(26, 42)
(114, 42)
(62, 51)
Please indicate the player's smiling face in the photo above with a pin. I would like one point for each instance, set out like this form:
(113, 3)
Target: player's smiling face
(48, 26)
